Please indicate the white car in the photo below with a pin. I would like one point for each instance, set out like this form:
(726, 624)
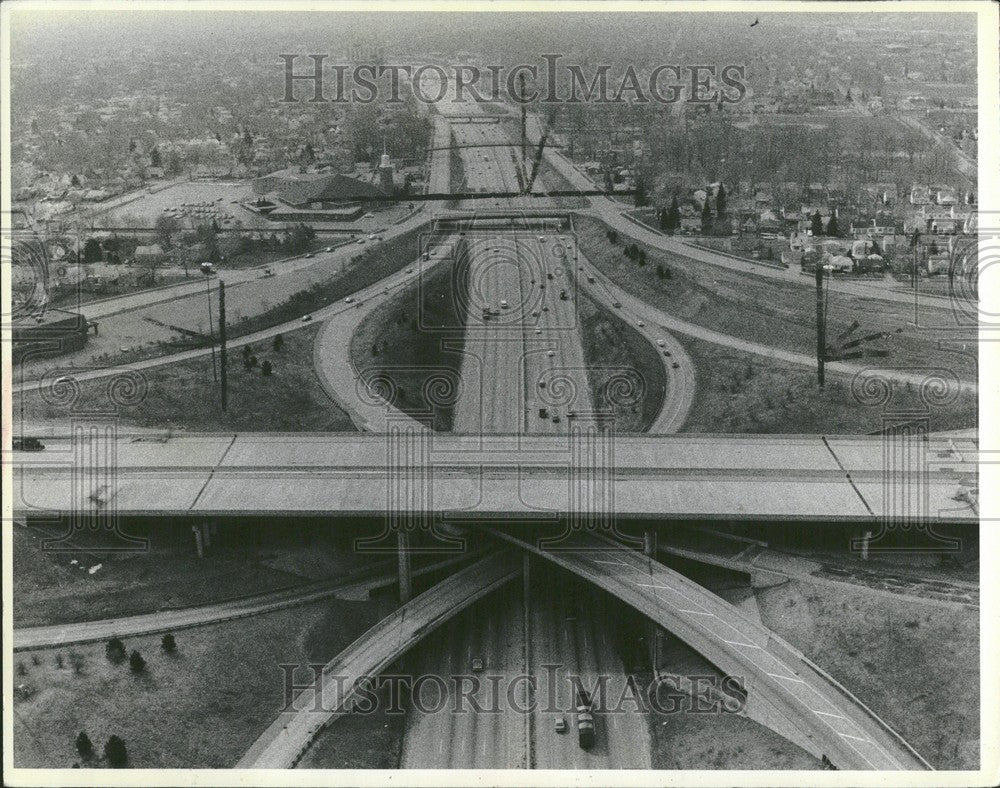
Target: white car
(306, 318)
(541, 239)
(640, 323)
(372, 237)
(661, 343)
(368, 216)
(329, 248)
(409, 270)
(361, 240)
(348, 300)
(504, 305)
(550, 353)
(538, 331)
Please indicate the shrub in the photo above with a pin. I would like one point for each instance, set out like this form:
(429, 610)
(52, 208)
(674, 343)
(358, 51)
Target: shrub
(279, 342)
(265, 368)
(116, 753)
(76, 660)
(84, 745)
(168, 643)
(136, 663)
(115, 650)
(59, 660)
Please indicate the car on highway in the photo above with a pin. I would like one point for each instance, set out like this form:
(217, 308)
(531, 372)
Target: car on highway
(361, 240)
(368, 216)
(329, 249)
(590, 280)
(409, 270)
(661, 343)
(477, 665)
(349, 300)
(555, 418)
(640, 323)
(550, 353)
(541, 239)
(666, 352)
(617, 304)
(308, 254)
(675, 365)
(504, 304)
(306, 318)
(538, 331)
(372, 237)
(560, 724)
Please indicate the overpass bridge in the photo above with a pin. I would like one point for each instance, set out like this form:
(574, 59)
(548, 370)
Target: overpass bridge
(785, 690)
(589, 475)
(288, 737)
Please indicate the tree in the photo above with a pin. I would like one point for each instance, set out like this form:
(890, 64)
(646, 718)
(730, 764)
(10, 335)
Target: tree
(115, 752)
(166, 226)
(265, 368)
(84, 745)
(92, 251)
(642, 257)
(816, 223)
(154, 158)
(279, 342)
(673, 216)
(720, 200)
(706, 218)
(831, 226)
(75, 182)
(115, 650)
(136, 663)
(168, 643)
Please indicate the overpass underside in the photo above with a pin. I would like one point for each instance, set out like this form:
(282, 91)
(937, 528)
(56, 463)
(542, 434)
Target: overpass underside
(526, 219)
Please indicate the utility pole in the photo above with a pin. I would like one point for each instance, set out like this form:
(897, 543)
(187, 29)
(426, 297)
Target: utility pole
(820, 323)
(524, 127)
(222, 342)
(211, 330)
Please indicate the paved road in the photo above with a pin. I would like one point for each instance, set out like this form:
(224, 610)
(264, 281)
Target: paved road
(355, 586)
(573, 628)
(284, 741)
(492, 631)
(785, 690)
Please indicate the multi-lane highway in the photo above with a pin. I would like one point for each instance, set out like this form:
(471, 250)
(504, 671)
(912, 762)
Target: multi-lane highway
(284, 741)
(785, 691)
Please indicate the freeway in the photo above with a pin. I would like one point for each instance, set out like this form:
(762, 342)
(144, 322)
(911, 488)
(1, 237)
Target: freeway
(492, 631)
(356, 585)
(786, 691)
(286, 739)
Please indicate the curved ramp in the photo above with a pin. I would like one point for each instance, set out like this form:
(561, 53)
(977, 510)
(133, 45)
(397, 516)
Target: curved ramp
(786, 692)
(288, 737)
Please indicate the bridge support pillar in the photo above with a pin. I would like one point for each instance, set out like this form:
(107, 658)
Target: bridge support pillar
(405, 577)
(199, 539)
(655, 633)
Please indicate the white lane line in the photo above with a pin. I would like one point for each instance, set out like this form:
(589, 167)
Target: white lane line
(786, 678)
(696, 612)
(856, 738)
(829, 714)
(738, 643)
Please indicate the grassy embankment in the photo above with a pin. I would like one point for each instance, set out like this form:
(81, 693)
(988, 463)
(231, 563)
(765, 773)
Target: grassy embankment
(743, 392)
(612, 347)
(185, 396)
(404, 340)
(201, 707)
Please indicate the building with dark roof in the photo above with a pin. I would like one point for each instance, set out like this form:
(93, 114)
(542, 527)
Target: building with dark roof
(289, 195)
